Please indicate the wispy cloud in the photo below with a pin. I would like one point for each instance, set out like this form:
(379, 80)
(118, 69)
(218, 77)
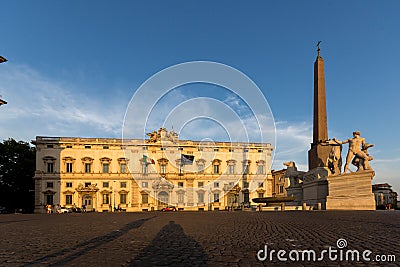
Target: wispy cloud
(38, 105)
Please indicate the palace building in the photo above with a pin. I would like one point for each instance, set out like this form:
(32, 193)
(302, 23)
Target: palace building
(107, 174)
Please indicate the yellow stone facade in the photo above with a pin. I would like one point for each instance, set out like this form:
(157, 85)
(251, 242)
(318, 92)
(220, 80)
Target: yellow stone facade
(106, 174)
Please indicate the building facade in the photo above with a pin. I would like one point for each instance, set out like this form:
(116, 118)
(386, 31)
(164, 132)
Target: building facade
(105, 174)
(385, 197)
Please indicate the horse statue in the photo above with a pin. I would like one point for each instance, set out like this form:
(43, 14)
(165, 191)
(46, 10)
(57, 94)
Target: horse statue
(293, 174)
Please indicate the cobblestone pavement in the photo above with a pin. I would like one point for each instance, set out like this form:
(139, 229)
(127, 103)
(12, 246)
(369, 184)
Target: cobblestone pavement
(193, 238)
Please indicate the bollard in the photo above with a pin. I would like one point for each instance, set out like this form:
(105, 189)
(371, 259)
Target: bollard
(304, 206)
(319, 206)
(282, 206)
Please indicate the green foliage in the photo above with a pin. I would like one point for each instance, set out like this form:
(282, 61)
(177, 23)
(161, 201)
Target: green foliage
(17, 167)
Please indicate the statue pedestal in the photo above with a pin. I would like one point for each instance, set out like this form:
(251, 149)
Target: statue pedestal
(297, 193)
(315, 187)
(351, 191)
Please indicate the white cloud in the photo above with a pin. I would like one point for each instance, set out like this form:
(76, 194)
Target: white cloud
(37, 105)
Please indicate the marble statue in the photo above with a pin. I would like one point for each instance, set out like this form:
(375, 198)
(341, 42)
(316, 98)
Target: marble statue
(292, 173)
(357, 153)
(334, 161)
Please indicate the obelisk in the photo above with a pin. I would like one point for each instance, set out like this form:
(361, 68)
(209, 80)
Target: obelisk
(319, 152)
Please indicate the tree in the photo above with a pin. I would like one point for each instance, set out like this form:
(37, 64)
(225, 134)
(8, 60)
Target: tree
(17, 167)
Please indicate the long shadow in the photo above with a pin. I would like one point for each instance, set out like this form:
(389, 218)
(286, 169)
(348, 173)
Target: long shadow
(84, 247)
(171, 247)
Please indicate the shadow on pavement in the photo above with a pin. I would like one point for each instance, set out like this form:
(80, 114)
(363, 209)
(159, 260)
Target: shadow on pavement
(171, 247)
(67, 255)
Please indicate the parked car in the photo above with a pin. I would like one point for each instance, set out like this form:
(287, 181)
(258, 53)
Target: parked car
(78, 210)
(169, 208)
(65, 210)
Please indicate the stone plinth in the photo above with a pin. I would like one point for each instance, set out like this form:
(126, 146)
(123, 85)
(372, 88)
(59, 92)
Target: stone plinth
(315, 192)
(297, 193)
(351, 191)
(315, 187)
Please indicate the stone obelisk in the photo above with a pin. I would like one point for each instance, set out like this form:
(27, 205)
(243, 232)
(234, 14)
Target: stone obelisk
(319, 152)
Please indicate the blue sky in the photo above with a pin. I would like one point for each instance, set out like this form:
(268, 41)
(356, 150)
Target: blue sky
(74, 65)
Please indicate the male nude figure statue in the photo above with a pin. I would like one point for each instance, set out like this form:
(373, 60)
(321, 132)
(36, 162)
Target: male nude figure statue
(355, 149)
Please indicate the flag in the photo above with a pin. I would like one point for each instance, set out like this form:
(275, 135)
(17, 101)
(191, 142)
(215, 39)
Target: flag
(148, 160)
(187, 159)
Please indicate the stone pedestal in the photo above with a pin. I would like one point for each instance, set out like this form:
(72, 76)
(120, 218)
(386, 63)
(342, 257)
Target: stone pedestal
(351, 191)
(297, 193)
(315, 187)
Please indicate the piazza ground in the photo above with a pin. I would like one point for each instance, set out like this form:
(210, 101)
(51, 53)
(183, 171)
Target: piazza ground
(191, 238)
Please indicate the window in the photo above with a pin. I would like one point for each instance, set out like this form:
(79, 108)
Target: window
(122, 198)
(68, 184)
(200, 149)
(246, 150)
(123, 184)
(144, 148)
(106, 199)
(163, 148)
(260, 184)
(260, 151)
(216, 168)
(200, 184)
(106, 184)
(68, 167)
(69, 146)
(144, 169)
(68, 199)
(145, 184)
(216, 197)
(106, 147)
(245, 169)
(180, 148)
(216, 184)
(122, 168)
(260, 194)
(260, 169)
(50, 185)
(50, 167)
(216, 149)
(88, 146)
(145, 198)
(281, 189)
(88, 184)
(163, 168)
(200, 197)
(106, 167)
(231, 150)
(200, 168)
(50, 146)
(231, 169)
(181, 198)
(180, 184)
(88, 167)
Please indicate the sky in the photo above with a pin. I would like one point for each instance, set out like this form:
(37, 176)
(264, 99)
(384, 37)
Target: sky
(74, 67)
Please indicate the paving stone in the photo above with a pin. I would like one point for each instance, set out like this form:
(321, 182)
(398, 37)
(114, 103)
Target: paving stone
(190, 238)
